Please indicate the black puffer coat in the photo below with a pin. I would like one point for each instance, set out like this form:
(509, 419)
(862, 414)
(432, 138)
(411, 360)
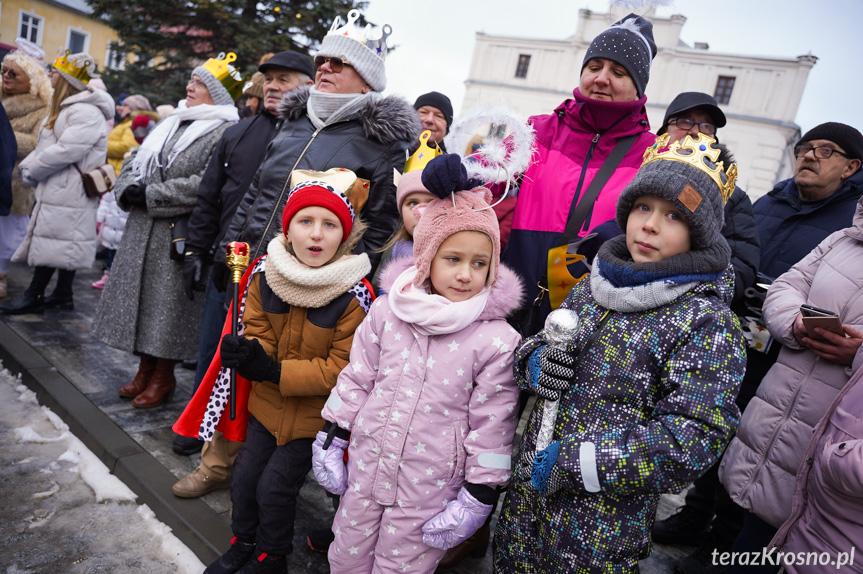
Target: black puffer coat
(372, 146)
(233, 165)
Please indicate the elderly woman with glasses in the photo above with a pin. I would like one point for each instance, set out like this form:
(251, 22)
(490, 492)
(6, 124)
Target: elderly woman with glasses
(25, 94)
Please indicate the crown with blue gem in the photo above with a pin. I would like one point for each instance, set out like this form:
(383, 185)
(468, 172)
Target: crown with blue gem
(698, 152)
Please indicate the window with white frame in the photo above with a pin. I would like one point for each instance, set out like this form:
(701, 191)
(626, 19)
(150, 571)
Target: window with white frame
(30, 27)
(77, 40)
(115, 57)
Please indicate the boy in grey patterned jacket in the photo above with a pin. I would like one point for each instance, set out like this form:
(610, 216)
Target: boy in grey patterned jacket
(646, 387)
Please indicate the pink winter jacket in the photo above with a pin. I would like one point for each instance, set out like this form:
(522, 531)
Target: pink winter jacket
(429, 413)
(761, 463)
(828, 497)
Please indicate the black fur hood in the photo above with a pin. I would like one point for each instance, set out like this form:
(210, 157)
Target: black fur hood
(388, 119)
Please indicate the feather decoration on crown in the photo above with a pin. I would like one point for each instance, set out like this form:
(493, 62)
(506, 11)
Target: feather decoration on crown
(496, 144)
(635, 5)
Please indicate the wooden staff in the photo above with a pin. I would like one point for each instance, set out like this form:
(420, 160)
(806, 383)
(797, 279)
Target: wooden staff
(237, 259)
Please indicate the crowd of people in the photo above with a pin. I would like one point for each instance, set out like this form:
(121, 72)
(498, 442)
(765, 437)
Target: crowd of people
(396, 317)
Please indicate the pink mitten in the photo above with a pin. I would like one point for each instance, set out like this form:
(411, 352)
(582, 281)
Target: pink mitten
(458, 521)
(328, 464)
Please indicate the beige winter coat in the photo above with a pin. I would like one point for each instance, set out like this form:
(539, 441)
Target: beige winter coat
(62, 229)
(26, 112)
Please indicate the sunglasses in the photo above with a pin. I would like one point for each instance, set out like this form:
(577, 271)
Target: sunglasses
(336, 64)
(8, 72)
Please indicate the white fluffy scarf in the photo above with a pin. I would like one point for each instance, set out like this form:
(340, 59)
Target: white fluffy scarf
(311, 287)
(432, 314)
(204, 117)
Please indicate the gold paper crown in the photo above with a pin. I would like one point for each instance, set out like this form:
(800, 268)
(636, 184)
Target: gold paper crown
(67, 66)
(227, 75)
(696, 151)
(422, 155)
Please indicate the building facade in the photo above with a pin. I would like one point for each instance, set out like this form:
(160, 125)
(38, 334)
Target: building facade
(759, 95)
(57, 25)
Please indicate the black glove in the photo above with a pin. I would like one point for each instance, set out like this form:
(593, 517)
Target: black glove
(552, 371)
(221, 276)
(250, 360)
(445, 174)
(136, 195)
(193, 274)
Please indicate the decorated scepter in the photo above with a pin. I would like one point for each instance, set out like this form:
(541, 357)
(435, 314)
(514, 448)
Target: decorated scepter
(237, 259)
(561, 325)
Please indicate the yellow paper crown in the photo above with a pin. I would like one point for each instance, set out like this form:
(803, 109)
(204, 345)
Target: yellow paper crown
(694, 153)
(227, 75)
(67, 66)
(422, 155)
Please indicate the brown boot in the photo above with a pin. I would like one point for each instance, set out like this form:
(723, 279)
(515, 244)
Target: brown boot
(161, 387)
(141, 380)
(474, 546)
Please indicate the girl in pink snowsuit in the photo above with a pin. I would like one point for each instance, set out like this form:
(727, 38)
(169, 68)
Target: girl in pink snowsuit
(428, 397)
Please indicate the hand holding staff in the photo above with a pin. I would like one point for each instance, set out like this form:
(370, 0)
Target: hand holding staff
(237, 259)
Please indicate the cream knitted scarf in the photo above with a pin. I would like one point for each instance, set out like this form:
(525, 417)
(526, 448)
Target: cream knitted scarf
(311, 287)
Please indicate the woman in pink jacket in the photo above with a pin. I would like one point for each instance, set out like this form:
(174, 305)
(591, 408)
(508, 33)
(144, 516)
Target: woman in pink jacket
(428, 397)
(825, 531)
(761, 463)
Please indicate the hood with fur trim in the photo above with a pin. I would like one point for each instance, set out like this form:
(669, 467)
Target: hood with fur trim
(387, 119)
(506, 296)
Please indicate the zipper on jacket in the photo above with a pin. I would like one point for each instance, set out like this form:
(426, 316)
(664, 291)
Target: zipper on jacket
(577, 196)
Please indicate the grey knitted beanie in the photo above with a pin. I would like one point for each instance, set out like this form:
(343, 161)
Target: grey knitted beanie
(695, 194)
(218, 92)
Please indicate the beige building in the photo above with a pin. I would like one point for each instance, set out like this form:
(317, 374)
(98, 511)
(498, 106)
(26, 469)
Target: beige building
(56, 25)
(759, 95)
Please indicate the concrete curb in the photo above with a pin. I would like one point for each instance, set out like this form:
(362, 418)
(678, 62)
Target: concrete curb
(191, 520)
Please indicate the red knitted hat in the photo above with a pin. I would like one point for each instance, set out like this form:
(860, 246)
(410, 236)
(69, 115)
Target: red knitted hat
(439, 219)
(319, 194)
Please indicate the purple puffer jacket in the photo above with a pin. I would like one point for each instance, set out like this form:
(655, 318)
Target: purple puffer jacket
(761, 463)
(828, 496)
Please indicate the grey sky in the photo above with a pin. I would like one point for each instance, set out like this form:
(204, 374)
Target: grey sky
(436, 41)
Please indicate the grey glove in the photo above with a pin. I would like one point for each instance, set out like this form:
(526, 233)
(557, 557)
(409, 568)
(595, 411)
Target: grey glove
(25, 177)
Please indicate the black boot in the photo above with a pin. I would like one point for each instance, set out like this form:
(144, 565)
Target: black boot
(62, 302)
(234, 559)
(265, 563)
(687, 526)
(26, 303)
(187, 446)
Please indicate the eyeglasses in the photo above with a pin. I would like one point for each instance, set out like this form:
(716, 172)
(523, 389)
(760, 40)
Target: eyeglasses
(822, 152)
(686, 125)
(8, 72)
(337, 64)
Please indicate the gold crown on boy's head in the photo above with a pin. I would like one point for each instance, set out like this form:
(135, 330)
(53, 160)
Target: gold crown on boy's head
(228, 76)
(694, 152)
(64, 64)
(422, 155)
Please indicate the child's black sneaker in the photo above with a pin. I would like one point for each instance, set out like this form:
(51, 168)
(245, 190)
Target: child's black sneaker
(235, 558)
(320, 539)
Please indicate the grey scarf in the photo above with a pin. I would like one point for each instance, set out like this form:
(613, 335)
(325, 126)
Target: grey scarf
(325, 109)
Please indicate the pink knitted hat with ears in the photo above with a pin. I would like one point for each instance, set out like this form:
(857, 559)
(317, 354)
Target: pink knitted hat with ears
(439, 219)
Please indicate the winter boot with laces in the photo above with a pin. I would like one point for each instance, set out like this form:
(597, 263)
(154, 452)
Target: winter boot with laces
(235, 558)
(265, 563)
(704, 559)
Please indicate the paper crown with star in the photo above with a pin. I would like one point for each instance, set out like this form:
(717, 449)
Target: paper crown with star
(377, 45)
(422, 155)
(226, 74)
(358, 48)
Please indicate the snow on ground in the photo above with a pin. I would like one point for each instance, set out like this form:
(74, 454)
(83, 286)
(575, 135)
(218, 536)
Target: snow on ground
(63, 511)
